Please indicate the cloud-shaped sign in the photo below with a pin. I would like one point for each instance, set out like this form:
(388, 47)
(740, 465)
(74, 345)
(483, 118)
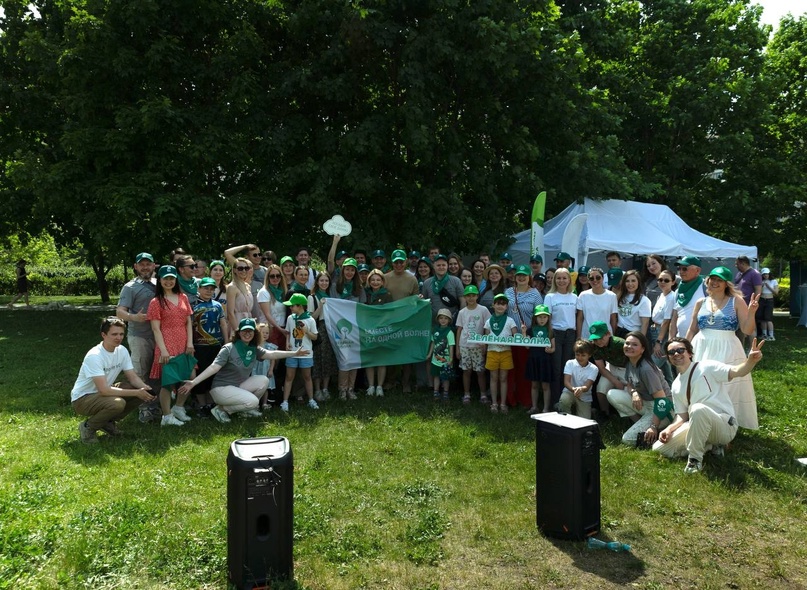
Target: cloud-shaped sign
(337, 225)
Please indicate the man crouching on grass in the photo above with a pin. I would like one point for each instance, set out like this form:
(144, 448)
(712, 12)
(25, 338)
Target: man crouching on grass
(94, 394)
(704, 414)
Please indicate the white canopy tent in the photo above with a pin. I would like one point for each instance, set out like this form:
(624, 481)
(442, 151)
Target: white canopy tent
(629, 228)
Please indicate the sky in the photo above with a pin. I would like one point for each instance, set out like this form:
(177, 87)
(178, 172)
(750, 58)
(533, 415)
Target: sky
(774, 10)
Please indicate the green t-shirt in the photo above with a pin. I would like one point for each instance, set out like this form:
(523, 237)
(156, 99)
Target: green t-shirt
(613, 353)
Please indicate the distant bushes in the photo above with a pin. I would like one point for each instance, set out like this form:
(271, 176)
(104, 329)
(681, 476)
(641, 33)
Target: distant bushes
(64, 280)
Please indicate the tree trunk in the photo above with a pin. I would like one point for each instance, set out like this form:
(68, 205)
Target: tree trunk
(100, 268)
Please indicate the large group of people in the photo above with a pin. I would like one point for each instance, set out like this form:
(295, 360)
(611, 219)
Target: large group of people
(237, 331)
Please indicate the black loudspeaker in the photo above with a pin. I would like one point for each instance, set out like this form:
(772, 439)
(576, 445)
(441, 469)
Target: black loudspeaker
(567, 475)
(260, 512)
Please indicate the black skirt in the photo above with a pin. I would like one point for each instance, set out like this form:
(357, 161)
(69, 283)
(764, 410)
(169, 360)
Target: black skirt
(539, 366)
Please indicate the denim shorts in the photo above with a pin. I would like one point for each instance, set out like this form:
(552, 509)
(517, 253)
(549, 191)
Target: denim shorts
(300, 362)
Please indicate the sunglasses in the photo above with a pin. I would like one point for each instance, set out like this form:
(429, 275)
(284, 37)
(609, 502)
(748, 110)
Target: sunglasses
(676, 351)
(591, 278)
(665, 280)
(242, 268)
(274, 276)
(255, 255)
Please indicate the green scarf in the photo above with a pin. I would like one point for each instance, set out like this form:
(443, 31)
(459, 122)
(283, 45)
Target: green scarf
(687, 289)
(441, 332)
(246, 352)
(303, 316)
(277, 292)
(497, 323)
(347, 290)
(298, 288)
(320, 294)
(438, 284)
(189, 286)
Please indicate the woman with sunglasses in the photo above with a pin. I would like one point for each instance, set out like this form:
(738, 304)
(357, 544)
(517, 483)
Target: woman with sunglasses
(189, 284)
(596, 305)
(712, 332)
(270, 300)
(239, 295)
(660, 322)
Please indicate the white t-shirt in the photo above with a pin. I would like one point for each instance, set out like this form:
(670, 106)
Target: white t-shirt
(563, 308)
(472, 322)
(663, 308)
(596, 308)
(277, 309)
(99, 362)
(580, 375)
(296, 336)
(705, 388)
(630, 316)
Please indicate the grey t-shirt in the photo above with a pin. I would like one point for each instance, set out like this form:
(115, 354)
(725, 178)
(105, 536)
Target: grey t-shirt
(233, 371)
(135, 296)
(452, 291)
(646, 379)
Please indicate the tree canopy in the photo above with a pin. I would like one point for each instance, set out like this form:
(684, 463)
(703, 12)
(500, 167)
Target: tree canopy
(156, 123)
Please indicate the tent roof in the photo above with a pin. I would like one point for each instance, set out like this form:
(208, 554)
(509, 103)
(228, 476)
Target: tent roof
(633, 228)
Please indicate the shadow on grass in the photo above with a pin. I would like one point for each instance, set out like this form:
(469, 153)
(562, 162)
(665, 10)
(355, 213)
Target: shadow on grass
(618, 568)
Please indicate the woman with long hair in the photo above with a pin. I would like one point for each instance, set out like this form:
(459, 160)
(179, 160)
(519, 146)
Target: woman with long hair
(634, 306)
(647, 393)
(660, 318)
(562, 304)
(324, 360)
(170, 314)
(478, 270)
(218, 272)
(455, 265)
(299, 284)
(423, 272)
(270, 300)
(348, 286)
(715, 321)
(654, 264)
(239, 295)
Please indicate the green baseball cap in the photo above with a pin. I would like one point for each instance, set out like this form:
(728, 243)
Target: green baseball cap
(349, 262)
(379, 254)
(501, 296)
(614, 275)
(167, 270)
(144, 256)
(207, 282)
(523, 269)
(398, 255)
(721, 272)
(471, 290)
(541, 310)
(563, 256)
(597, 330)
(689, 261)
(247, 324)
(286, 259)
(297, 299)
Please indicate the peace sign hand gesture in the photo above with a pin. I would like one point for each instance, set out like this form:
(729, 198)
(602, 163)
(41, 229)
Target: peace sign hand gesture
(756, 351)
(754, 301)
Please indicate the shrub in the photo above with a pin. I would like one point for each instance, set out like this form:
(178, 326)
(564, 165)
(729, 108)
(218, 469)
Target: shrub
(61, 281)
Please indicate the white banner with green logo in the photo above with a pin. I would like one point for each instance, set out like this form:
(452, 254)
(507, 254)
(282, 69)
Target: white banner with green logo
(394, 333)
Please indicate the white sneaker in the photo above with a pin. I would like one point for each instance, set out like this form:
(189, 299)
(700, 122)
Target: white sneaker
(371, 391)
(351, 394)
(252, 413)
(326, 395)
(313, 404)
(284, 406)
(771, 338)
(379, 391)
(180, 414)
(220, 415)
(318, 396)
(171, 420)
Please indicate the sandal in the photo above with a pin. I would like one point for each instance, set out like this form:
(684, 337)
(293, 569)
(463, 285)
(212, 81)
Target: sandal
(484, 399)
(503, 408)
(445, 396)
(494, 408)
(466, 399)
(533, 410)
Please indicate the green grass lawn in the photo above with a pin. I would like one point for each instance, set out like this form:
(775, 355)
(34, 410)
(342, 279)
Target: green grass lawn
(399, 492)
